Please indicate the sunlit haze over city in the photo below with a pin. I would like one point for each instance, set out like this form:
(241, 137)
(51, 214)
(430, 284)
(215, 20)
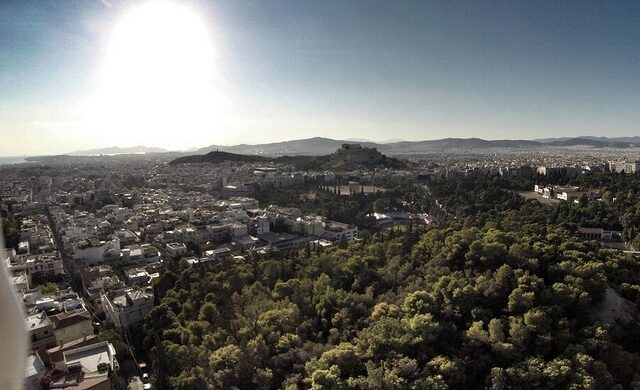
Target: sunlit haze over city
(187, 74)
(333, 194)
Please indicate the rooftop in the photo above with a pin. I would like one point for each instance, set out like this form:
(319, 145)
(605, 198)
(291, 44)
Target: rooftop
(35, 321)
(34, 366)
(63, 320)
(90, 356)
(274, 237)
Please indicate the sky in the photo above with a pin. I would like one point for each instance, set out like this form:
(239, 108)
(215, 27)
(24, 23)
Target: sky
(79, 74)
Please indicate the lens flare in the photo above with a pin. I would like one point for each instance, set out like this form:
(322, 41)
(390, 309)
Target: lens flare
(157, 84)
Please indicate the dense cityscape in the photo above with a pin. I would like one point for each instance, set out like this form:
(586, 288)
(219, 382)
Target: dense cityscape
(98, 250)
(299, 194)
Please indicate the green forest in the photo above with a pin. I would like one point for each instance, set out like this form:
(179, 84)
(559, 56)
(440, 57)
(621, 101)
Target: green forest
(502, 294)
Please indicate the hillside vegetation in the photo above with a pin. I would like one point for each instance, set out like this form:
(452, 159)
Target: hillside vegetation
(502, 298)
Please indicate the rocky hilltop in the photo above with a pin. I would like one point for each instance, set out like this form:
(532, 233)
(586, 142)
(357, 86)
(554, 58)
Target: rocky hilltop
(355, 155)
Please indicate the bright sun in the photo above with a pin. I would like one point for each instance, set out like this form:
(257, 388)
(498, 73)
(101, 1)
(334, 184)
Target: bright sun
(157, 83)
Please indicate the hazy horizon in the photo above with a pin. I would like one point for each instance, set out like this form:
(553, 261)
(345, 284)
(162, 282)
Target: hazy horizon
(188, 74)
(347, 139)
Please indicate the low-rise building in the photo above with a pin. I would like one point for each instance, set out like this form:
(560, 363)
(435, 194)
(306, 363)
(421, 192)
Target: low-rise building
(89, 358)
(60, 301)
(87, 367)
(308, 226)
(145, 253)
(71, 326)
(96, 280)
(34, 368)
(137, 276)
(624, 166)
(40, 331)
(568, 193)
(54, 357)
(247, 242)
(317, 245)
(175, 249)
(126, 306)
(42, 265)
(20, 281)
(218, 253)
(92, 251)
(284, 241)
(590, 233)
(337, 231)
(259, 225)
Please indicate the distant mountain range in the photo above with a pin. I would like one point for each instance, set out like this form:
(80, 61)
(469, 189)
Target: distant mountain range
(633, 140)
(318, 146)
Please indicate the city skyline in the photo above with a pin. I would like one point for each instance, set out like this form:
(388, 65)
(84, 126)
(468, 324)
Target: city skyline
(294, 70)
(293, 194)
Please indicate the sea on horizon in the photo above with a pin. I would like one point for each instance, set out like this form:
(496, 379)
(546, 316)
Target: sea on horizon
(12, 160)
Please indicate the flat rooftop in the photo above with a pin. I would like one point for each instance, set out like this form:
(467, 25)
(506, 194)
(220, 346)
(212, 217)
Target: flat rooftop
(36, 321)
(89, 357)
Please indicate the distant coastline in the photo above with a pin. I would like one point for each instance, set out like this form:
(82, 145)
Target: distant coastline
(12, 160)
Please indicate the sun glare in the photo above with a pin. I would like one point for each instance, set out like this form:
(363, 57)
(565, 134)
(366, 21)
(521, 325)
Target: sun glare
(157, 83)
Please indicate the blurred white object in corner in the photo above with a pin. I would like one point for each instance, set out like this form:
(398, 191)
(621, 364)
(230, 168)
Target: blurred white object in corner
(13, 335)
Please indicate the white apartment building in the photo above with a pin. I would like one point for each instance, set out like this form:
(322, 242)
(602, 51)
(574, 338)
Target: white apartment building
(175, 249)
(308, 226)
(42, 265)
(126, 306)
(40, 331)
(337, 230)
(88, 366)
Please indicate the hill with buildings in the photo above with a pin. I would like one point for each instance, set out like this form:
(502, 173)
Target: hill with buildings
(351, 156)
(315, 146)
(347, 157)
